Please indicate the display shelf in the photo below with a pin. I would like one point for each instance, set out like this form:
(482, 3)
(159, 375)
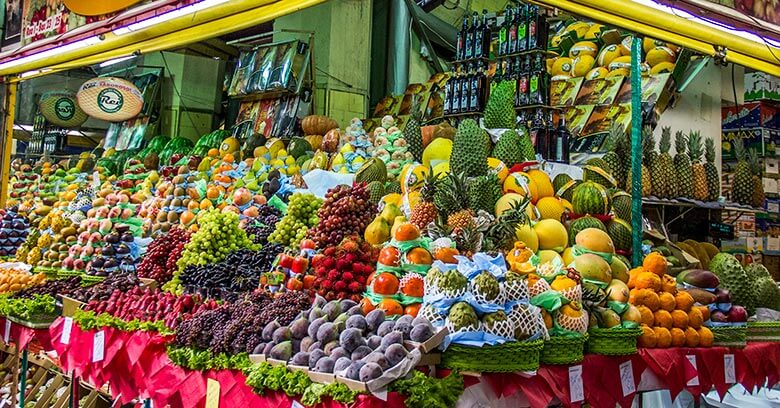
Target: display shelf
(526, 52)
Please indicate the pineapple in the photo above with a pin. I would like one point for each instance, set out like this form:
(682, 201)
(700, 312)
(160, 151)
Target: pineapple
(711, 171)
(682, 164)
(758, 185)
(615, 156)
(453, 202)
(413, 136)
(663, 171)
(742, 187)
(648, 158)
(425, 211)
(700, 191)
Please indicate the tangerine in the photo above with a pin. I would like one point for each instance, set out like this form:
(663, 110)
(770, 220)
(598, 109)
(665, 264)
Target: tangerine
(390, 306)
(419, 256)
(390, 256)
(228, 158)
(213, 153)
(406, 232)
(705, 337)
(655, 263)
(413, 309)
(366, 306)
(678, 337)
(446, 255)
(385, 284)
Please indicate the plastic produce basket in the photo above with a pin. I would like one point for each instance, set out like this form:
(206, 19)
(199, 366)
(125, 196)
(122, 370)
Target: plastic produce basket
(564, 350)
(729, 336)
(615, 341)
(502, 358)
(763, 331)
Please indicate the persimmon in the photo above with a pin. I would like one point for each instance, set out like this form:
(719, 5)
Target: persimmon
(413, 309)
(419, 256)
(446, 254)
(390, 256)
(413, 285)
(366, 306)
(406, 232)
(385, 284)
(390, 306)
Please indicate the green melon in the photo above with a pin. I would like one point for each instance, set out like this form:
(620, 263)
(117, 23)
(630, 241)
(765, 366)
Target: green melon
(590, 198)
(567, 190)
(621, 205)
(582, 223)
(620, 232)
(372, 169)
(560, 180)
(298, 147)
(598, 175)
(376, 190)
(392, 187)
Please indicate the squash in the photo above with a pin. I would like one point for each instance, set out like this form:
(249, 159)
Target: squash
(318, 124)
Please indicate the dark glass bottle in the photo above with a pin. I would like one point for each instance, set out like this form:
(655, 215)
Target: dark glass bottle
(479, 37)
(503, 32)
(476, 89)
(522, 82)
(487, 34)
(522, 28)
(448, 90)
(538, 133)
(470, 34)
(537, 38)
(462, 35)
(512, 48)
(533, 27)
(537, 84)
(456, 80)
(562, 136)
(465, 83)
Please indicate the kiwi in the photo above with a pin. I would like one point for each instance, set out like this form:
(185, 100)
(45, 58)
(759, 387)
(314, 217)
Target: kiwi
(185, 202)
(179, 192)
(176, 202)
(164, 227)
(178, 180)
(173, 217)
(162, 216)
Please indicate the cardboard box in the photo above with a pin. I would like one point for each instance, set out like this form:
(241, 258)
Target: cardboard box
(761, 139)
(70, 306)
(759, 85)
(750, 115)
(257, 358)
(322, 378)
(771, 165)
(770, 185)
(148, 283)
(772, 243)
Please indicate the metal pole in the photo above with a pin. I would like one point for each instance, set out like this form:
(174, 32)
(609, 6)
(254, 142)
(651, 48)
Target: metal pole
(636, 150)
(7, 145)
(23, 381)
(398, 47)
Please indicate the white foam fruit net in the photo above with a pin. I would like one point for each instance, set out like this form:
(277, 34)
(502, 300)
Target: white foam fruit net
(540, 286)
(573, 293)
(516, 290)
(527, 321)
(429, 312)
(577, 324)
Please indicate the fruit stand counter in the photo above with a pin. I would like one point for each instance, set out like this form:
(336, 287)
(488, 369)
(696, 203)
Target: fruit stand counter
(137, 364)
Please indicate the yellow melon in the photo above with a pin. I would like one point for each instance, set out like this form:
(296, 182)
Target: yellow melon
(623, 72)
(550, 208)
(662, 68)
(412, 177)
(625, 45)
(568, 256)
(552, 235)
(580, 28)
(593, 32)
(607, 54)
(650, 43)
(562, 66)
(658, 55)
(543, 183)
(562, 77)
(583, 48)
(620, 62)
(595, 73)
(547, 255)
(442, 169)
(439, 150)
(498, 168)
(527, 234)
(506, 201)
(520, 183)
(583, 64)
(229, 145)
(567, 205)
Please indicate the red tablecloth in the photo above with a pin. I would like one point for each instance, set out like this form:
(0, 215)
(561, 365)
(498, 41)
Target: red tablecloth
(136, 365)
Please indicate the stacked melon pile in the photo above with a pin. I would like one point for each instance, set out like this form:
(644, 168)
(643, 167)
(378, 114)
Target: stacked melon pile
(594, 56)
(398, 285)
(669, 317)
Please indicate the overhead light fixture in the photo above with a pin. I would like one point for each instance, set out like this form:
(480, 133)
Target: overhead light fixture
(33, 73)
(116, 61)
(180, 12)
(51, 52)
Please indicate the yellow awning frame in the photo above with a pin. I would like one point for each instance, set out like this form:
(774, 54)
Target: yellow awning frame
(645, 20)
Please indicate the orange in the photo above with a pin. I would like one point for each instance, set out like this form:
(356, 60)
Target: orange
(663, 319)
(406, 232)
(667, 301)
(663, 337)
(390, 306)
(366, 306)
(213, 153)
(684, 300)
(669, 284)
(655, 263)
(705, 312)
(648, 280)
(633, 275)
(446, 255)
(691, 337)
(678, 337)
(213, 192)
(187, 217)
(695, 319)
(647, 315)
(419, 256)
(651, 300)
(679, 319)
(414, 286)
(385, 284)
(705, 337)
(390, 256)
(647, 339)
(228, 158)
(412, 309)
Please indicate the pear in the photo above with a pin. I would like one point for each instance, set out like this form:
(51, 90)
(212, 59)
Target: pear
(377, 232)
(390, 212)
(397, 221)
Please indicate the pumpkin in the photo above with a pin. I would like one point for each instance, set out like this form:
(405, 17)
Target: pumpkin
(330, 142)
(317, 124)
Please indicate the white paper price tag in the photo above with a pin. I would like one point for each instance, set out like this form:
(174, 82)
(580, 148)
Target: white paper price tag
(296, 404)
(95, 180)
(381, 394)
(7, 332)
(98, 346)
(576, 390)
(695, 380)
(67, 327)
(212, 393)
(627, 378)
(728, 369)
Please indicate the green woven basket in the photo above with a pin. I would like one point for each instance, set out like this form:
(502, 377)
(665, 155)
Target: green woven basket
(763, 331)
(616, 341)
(87, 280)
(731, 336)
(564, 350)
(502, 358)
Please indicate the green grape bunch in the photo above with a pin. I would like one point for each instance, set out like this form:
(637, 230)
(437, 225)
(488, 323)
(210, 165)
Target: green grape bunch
(301, 215)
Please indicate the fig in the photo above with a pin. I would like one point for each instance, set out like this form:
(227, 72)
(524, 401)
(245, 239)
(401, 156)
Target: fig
(306, 342)
(353, 372)
(393, 337)
(357, 322)
(314, 326)
(326, 333)
(421, 333)
(339, 352)
(269, 329)
(300, 359)
(315, 313)
(374, 342)
(314, 346)
(325, 365)
(332, 309)
(299, 328)
(374, 318)
(347, 304)
(394, 354)
(379, 358)
(281, 334)
(369, 371)
(314, 357)
(385, 328)
(330, 346)
(360, 353)
(351, 339)
(282, 351)
(342, 364)
(404, 327)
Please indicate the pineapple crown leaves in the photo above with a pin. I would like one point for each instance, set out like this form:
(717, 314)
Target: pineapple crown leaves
(753, 162)
(666, 140)
(739, 149)
(502, 231)
(455, 197)
(615, 137)
(694, 145)
(709, 150)
(648, 144)
(428, 189)
(680, 142)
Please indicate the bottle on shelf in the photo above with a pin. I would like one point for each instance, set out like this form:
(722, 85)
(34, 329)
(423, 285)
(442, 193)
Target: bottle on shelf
(465, 84)
(479, 37)
(522, 28)
(503, 32)
(477, 89)
(537, 28)
(537, 81)
(448, 89)
(521, 95)
(539, 133)
(512, 32)
(460, 51)
(470, 36)
(562, 136)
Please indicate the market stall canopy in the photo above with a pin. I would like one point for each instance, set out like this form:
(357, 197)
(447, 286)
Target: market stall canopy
(186, 25)
(665, 24)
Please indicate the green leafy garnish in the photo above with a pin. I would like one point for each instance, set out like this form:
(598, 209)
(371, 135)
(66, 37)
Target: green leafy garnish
(423, 391)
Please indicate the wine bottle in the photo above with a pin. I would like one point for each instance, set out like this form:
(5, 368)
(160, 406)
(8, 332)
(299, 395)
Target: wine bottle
(460, 52)
(562, 136)
(503, 32)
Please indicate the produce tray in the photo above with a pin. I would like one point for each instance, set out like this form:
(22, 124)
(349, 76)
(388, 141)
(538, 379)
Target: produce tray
(503, 358)
(730, 336)
(70, 306)
(564, 350)
(612, 342)
(763, 331)
(43, 324)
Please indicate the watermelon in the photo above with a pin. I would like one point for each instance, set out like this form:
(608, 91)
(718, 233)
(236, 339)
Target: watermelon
(176, 145)
(582, 223)
(621, 205)
(298, 147)
(567, 189)
(598, 175)
(590, 198)
(155, 145)
(620, 232)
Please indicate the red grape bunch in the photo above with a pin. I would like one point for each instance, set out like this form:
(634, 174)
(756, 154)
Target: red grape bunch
(159, 262)
(346, 211)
